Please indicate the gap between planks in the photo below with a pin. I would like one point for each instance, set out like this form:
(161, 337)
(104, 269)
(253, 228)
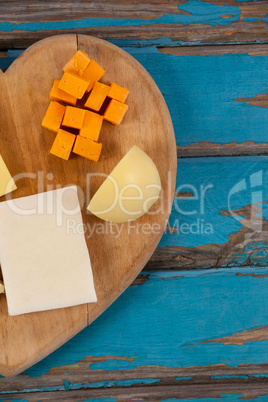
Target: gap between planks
(252, 49)
(206, 148)
(81, 373)
(159, 392)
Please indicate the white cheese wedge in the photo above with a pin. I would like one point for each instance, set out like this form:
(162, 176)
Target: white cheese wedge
(44, 257)
(7, 183)
(129, 191)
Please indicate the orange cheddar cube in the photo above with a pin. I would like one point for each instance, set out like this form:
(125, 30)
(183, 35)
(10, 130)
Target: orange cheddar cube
(115, 112)
(117, 92)
(91, 126)
(87, 148)
(53, 116)
(78, 63)
(73, 85)
(73, 117)
(92, 74)
(97, 96)
(59, 95)
(63, 144)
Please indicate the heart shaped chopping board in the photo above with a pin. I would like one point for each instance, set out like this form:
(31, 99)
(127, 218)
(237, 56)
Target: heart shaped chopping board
(117, 258)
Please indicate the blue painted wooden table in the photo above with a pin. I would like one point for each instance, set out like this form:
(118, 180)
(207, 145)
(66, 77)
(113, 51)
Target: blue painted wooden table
(194, 325)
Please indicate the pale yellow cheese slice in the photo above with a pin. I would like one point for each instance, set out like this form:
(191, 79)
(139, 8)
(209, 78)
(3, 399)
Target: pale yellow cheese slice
(129, 191)
(7, 183)
(43, 253)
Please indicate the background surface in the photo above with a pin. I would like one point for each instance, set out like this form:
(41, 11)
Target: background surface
(194, 325)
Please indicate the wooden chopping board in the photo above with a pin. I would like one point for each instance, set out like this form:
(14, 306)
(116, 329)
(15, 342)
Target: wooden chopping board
(24, 145)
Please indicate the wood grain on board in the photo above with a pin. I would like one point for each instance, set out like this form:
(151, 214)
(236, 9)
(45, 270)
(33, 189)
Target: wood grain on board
(116, 261)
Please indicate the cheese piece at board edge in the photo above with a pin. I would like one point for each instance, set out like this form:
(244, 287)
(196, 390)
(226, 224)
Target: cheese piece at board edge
(2, 287)
(45, 261)
(7, 183)
(129, 191)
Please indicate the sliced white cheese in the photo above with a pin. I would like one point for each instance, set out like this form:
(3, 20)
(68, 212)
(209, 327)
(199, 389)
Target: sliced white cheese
(44, 257)
(7, 183)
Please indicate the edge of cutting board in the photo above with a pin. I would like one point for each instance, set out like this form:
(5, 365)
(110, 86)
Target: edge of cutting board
(147, 124)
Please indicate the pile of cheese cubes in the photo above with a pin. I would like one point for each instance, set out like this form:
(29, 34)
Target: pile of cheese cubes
(78, 128)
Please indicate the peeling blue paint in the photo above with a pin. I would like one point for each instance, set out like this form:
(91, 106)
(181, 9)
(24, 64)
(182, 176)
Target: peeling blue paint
(183, 378)
(66, 385)
(200, 12)
(41, 389)
(108, 384)
(256, 254)
(201, 8)
(255, 19)
(259, 375)
(101, 384)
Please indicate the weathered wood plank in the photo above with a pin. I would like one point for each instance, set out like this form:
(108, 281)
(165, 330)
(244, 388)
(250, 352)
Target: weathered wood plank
(209, 118)
(64, 10)
(207, 148)
(204, 96)
(208, 317)
(69, 376)
(223, 222)
(16, 11)
(196, 22)
(237, 32)
(253, 49)
(200, 313)
(159, 392)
